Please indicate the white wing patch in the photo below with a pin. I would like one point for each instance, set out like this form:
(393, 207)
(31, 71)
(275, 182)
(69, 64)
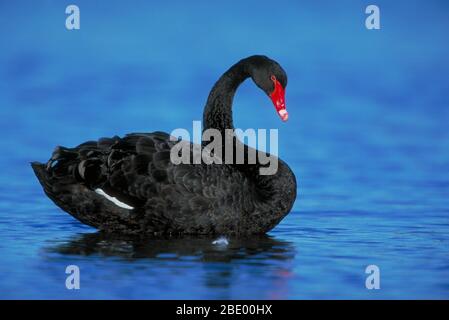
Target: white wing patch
(116, 201)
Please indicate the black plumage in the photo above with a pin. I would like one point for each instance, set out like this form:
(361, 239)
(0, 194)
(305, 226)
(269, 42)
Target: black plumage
(164, 198)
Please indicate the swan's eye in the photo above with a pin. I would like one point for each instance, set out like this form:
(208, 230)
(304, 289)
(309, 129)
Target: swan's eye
(273, 78)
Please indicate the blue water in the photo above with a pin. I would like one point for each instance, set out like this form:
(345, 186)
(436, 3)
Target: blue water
(367, 138)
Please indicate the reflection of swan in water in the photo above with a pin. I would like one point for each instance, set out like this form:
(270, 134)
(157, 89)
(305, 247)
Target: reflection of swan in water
(259, 248)
(260, 266)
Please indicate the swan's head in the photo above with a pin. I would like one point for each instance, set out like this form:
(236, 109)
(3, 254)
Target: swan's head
(272, 79)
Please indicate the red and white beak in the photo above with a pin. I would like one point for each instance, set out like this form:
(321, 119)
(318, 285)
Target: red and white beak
(278, 98)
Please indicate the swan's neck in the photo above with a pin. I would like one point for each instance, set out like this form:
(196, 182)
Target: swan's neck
(275, 192)
(218, 110)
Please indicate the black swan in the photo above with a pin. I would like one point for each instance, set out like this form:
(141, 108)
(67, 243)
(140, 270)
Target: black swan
(130, 185)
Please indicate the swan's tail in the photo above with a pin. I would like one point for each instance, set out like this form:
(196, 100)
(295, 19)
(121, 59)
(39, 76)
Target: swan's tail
(58, 178)
(43, 177)
(61, 190)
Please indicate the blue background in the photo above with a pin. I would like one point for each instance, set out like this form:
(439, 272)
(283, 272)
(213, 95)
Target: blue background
(367, 139)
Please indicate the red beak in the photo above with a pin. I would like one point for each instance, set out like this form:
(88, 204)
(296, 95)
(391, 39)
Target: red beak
(278, 98)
